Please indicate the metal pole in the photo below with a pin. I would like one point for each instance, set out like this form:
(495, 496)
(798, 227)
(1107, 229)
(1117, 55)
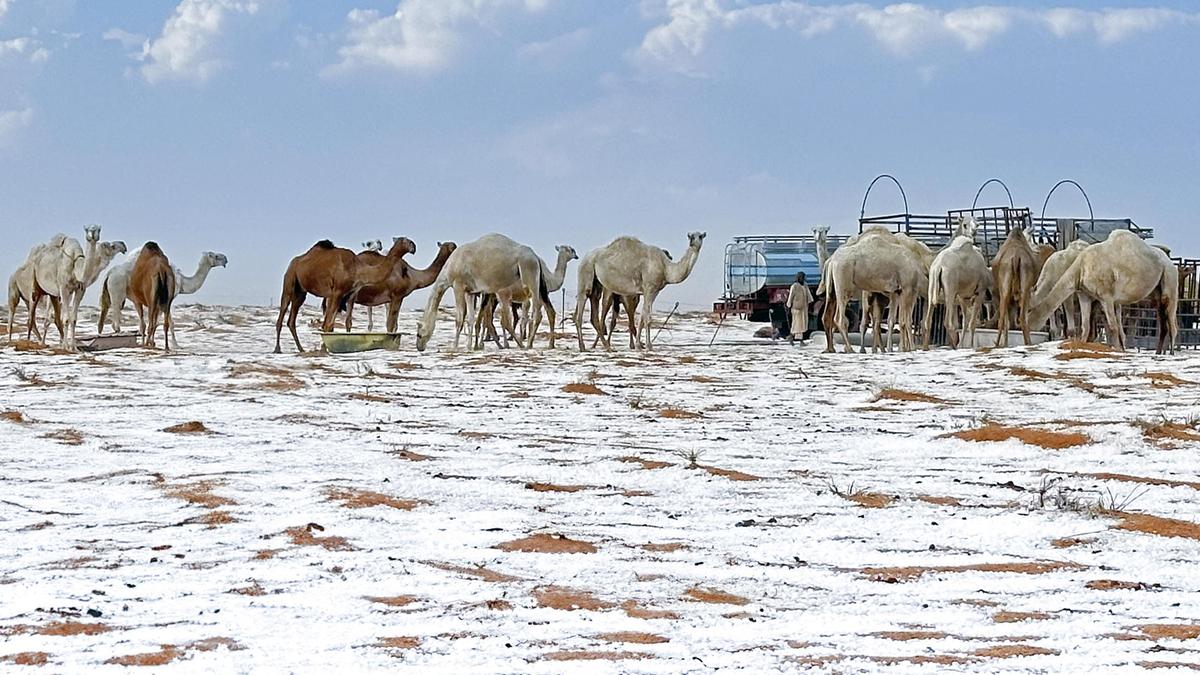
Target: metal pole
(664, 323)
(714, 335)
(988, 182)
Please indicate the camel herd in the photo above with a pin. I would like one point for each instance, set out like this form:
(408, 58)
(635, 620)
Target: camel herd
(62, 270)
(489, 274)
(1028, 284)
(495, 275)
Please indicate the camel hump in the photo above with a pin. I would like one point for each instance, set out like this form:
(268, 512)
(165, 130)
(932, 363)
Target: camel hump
(325, 244)
(152, 247)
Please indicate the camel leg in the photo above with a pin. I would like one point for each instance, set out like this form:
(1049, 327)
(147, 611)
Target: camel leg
(297, 303)
(393, 315)
(553, 316)
(37, 297)
(1085, 317)
(1024, 311)
(840, 320)
(461, 304)
(284, 302)
(631, 305)
(864, 305)
(927, 324)
(1112, 319)
(646, 326)
(828, 312)
(504, 299)
(1002, 319)
(1072, 327)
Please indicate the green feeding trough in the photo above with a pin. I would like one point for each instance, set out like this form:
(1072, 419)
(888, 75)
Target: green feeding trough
(346, 343)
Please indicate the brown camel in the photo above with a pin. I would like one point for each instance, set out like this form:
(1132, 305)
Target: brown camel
(1015, 271)
(152, 289)
(334, 274)
(401, 280)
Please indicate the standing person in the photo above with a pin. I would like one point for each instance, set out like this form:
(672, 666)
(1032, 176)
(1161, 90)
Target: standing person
(799, 298)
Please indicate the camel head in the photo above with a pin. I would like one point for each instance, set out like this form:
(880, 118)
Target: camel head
(214, 259)
(821, 233)
(696, 239)
(92, 233)
(446, 247)
(966, 227)
(566, 253)
(110, 249)
(373, 245)
(401, 246)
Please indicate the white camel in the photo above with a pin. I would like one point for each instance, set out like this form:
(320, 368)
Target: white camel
(1121, 270)
(629, 267)
(552, 281)
(20, 290)
(65, 272)
(959, 277)
(1053, 270)
(876, 263)
(491, 264)
(115, 289)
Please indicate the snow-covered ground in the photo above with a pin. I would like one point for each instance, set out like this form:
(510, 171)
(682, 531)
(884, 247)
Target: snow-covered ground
(745, 506)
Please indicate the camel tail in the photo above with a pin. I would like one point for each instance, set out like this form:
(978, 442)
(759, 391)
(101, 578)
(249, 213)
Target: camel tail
(1053, 298)
(162, 289)
(935, 285)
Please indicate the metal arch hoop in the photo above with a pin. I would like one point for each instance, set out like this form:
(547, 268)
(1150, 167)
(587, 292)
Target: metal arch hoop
(989, 182)
(862, 213)
(1091, 214)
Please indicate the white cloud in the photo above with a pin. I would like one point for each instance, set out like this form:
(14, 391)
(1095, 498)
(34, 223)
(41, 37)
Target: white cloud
(902, 28)
(421, 35)
(12, 121)
(27, 48)
(556, 47)
(191, 45)
(126, 39)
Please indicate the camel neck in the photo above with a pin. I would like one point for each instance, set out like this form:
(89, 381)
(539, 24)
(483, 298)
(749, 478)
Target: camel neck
(678, 271)
(193, 283)
(425, 277)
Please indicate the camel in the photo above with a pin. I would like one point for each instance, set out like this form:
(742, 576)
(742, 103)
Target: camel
(1121, 270)
(20, 290)
(611, 309)
(334, 274)
(628, 267)
(115, 288)
(1014, 271)
(552, 280)
(152, 290)
(401, 280)
(1053, 270)
(876, 263)
(491, 264)
(65, 272)
(960, 272)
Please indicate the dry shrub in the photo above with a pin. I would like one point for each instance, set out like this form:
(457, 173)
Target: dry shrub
(401, 642)
(899, 574)
(731, 474)
(1165, 380)
(165, 655)
(1170, 631)
(193, 427)
(266, 554)
(704, 379)
(633, 637)
(519, 394)
(1051, 440)
(353, 498)
(585, 655)
(498, 605)
(636, 493)
(1069, 542)
(714, 596)
(65, 436)
(479, 572)
(550, 487)
(665, 548)
(255, 589)
(1156, 525)
(69, 628)
(1011, 651)
(871, 500)
(26, 659)
(687, 360)
(1030, 374)
(1125, 478)
(893, 394)
(907, 635)
(1167, 665)
(198, 493)
(372, 398)
(281, 379)
(1017, 617)
(583, 388)
(405, 453)
(676, 413)
(940, 501)
(645, 463)
(547, 543)
(392, 601)
(14, 416)
(634, 610)
(303, 536)
(922, 659)
(1163, 431)
(212, 519)
(558, 597)
(1115, 585)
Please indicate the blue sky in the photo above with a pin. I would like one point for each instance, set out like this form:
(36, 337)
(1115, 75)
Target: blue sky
(255, 127)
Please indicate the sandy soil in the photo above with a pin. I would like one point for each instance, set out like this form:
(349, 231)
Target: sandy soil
(746, 506)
